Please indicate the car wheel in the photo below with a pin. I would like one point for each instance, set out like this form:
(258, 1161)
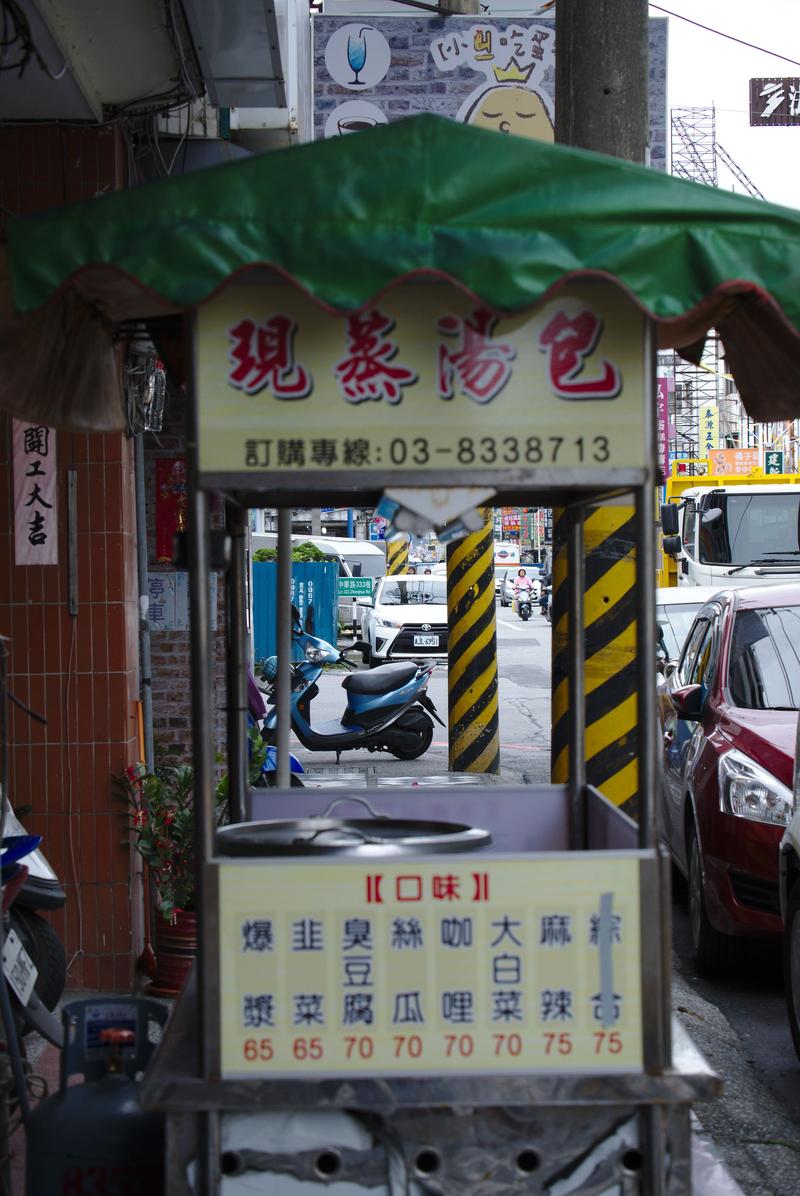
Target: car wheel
(791, 963)
(709, 947)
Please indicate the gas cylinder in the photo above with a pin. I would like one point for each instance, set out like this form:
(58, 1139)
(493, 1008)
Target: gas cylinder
(95, 1136)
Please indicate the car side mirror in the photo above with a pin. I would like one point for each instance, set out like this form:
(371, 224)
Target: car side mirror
(669, 519)
(688, 701)
(672, 545)
(711, 516)
(364, 600)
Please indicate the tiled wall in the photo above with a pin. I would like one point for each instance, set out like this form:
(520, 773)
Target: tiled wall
(80, 670)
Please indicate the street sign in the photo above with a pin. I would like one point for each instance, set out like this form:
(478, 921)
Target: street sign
(773, 461)
(431, 966)
(355, 587)
(775, 101)
(426, 380)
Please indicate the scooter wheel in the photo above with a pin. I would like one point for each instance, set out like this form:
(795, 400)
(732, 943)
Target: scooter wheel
(46, 950)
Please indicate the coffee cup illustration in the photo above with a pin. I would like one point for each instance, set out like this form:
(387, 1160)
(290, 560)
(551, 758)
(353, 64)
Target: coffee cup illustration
(355, 124)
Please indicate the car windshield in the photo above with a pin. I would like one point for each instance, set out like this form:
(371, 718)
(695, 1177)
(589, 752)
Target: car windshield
(751, 527)
(675, 622)
(764, 672)
(413, 591)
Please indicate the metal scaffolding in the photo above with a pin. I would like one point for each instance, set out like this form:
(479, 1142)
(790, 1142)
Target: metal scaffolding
(696, 155)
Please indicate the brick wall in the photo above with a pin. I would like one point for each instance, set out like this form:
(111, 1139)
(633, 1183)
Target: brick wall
(170, 649)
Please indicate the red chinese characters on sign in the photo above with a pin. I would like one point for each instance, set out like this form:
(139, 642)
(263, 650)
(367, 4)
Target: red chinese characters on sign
(411, 887)
(365, 373)
(479, 364)
(263, 356)
(568, 341)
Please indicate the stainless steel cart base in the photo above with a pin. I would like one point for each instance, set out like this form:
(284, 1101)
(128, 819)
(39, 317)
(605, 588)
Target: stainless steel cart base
(589, 1134)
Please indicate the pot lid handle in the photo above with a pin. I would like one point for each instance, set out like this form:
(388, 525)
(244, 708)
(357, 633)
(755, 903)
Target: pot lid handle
(351, 831)
(337, 801)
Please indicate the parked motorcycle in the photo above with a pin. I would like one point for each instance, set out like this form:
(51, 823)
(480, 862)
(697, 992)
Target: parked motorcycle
(34, 963)
(388, 708)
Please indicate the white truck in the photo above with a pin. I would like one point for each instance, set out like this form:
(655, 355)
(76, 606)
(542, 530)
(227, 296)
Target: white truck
(721, 532)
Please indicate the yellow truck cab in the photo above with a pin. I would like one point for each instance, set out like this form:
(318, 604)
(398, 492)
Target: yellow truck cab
(721, 530)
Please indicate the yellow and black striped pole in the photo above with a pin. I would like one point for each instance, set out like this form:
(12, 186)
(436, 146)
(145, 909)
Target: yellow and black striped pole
(472, 699)
(397, 555)
(610, 654)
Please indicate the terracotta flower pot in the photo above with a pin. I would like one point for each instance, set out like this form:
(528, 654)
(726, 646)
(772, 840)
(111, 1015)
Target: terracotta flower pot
(176, 948)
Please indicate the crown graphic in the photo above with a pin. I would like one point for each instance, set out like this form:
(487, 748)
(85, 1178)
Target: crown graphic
(513, 73)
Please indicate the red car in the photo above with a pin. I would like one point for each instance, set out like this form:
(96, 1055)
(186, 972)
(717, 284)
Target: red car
(729, 720)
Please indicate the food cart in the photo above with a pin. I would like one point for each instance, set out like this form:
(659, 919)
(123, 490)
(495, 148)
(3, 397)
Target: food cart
(485, 1016)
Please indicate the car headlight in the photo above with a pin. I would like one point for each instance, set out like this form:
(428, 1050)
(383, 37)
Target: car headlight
(315, 655)
(749, 791)
(382, 621)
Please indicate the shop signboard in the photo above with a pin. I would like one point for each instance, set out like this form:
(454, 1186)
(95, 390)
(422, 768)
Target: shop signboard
(431, 966)
(775, 101)
(773, 461)
(735, 462)
(495, 71)
(285, 387)
(707, 429)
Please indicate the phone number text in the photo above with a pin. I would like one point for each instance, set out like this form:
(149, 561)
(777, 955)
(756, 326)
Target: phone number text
(419, 452)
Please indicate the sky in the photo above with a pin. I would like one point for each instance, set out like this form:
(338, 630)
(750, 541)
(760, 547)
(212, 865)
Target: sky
(706, 69)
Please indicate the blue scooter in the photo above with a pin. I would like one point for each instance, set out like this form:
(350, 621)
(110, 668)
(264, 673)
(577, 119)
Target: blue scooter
(386, 707)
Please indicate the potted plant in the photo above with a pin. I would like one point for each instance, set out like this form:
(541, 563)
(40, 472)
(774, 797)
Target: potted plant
(162, 825)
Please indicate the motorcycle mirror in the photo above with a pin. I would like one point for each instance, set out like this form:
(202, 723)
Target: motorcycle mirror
(295, 614)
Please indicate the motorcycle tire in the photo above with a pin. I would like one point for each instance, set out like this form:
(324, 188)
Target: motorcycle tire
(413, 721)
(47, 952)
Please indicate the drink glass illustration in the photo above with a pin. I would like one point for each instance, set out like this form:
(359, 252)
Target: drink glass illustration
(357, 54)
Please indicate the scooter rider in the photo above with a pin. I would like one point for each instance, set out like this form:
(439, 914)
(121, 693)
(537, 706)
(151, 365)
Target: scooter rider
(523, 585)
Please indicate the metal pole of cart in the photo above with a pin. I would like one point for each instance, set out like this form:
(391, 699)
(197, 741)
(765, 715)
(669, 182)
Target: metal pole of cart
(236, 661)
(284, 637)
(203, 763)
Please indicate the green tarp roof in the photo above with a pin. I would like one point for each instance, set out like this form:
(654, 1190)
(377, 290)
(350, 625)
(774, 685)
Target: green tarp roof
(505, 218)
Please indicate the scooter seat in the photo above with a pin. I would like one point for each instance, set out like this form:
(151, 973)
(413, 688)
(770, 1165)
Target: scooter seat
(381, 680)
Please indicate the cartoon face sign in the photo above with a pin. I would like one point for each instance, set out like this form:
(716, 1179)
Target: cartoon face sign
(510, 108)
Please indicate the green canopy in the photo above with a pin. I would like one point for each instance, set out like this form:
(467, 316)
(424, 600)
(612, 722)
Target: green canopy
(504, 218)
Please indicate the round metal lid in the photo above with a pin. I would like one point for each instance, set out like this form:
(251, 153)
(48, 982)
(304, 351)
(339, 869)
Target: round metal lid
(365, 838)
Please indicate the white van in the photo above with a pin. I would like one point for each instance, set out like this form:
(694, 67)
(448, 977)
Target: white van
(356, 558)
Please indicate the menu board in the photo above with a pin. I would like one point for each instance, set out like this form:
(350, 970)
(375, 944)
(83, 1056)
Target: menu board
(468, 964)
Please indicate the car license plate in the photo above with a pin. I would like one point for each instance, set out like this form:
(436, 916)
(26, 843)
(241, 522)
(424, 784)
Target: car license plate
(20, 970)
(426, 641)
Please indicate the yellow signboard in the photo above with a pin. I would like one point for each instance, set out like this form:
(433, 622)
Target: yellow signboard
(479, 964)
(426, 379)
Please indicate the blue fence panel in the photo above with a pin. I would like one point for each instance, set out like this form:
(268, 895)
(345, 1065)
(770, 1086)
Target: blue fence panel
(314, 583)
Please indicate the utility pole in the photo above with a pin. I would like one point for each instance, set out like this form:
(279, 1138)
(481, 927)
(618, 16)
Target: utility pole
(602, 74)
